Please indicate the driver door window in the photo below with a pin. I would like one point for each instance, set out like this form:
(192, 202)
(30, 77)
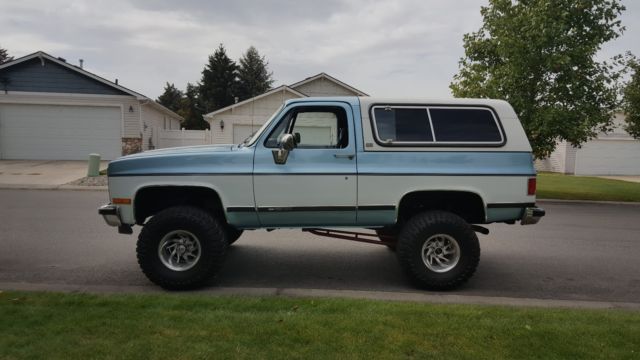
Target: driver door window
(324, 128)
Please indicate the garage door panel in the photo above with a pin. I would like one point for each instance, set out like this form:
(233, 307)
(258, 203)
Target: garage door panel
(609, 157)
(59, 132)
(241, 132)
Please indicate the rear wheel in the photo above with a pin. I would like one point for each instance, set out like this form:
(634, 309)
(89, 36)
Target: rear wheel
(438, 250)
(181, 247)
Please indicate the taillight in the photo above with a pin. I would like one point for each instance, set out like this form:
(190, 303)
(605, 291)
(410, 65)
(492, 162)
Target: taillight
(531, 186)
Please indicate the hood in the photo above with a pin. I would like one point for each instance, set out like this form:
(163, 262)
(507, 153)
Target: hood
(189, 160)
(180, 150)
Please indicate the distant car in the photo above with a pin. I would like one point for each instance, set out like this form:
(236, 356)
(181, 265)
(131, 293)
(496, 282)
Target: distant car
(422, 174)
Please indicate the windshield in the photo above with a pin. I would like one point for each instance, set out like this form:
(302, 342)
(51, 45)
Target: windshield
(254, 137)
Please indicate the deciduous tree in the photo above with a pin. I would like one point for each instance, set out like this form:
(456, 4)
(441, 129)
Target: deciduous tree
(632, 101)
(540, 56)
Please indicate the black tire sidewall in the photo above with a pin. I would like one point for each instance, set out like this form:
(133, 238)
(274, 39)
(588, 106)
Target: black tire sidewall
(202, 225)
(418, 230)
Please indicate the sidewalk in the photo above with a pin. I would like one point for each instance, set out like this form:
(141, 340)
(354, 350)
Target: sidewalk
(629, 178)
(43, 174)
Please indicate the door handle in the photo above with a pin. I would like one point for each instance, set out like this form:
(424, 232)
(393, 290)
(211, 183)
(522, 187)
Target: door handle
(344, 156)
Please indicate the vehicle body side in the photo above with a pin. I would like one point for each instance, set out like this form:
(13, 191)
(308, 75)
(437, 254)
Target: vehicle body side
(325, 187)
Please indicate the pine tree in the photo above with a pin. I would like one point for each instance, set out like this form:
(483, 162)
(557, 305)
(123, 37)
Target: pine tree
(171, 98)
(4, 56)
(191, 111)
(218, 81)
(253, 76)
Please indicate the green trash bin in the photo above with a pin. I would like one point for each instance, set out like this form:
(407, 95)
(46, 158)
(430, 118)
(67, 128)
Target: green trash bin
(94, 165)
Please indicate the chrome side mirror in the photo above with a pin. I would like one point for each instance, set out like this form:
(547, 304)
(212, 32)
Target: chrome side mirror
(286, 143)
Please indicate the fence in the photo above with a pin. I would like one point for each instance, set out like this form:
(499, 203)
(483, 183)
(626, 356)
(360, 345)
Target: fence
(162, 138)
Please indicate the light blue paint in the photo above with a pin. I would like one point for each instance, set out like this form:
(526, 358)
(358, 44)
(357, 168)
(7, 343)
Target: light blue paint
(503, 214)
(446, 163)
(243, 220)
(376, 217)
(274, 185)
(204, 160)
(307, 219)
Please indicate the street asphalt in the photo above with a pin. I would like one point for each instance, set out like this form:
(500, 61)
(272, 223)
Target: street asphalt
(578, 252)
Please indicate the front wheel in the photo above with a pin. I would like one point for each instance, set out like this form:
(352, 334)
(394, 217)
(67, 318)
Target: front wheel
(181, 247)
(438, 250)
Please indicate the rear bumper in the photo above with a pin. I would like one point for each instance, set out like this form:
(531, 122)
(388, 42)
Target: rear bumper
(531, 215)
(111, 214)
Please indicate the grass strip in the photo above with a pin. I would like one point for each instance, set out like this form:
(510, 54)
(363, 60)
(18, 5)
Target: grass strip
(74, 326)
(569, 187)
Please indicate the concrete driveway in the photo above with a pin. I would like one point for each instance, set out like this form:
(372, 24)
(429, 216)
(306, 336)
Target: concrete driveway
(41, 173)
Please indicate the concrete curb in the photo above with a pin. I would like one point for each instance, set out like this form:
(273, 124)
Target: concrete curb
(418, 297)
(51, 187)
(590, 202)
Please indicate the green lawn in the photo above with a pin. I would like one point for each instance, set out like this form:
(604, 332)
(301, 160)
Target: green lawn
(77, 326)
(568, 187)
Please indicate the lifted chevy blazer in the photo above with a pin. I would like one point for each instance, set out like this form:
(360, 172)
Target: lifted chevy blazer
(421, 175)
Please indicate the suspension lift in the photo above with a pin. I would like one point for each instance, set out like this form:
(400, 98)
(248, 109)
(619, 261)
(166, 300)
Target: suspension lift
(370, 238)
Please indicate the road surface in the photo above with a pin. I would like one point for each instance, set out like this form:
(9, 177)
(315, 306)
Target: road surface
(577, 252)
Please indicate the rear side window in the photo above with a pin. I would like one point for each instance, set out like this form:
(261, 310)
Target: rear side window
(403, 124)
(465, 125)
(436, 126)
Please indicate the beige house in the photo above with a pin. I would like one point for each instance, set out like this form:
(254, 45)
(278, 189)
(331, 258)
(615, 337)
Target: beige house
(613, 153)
(53, 110)
(236, 122)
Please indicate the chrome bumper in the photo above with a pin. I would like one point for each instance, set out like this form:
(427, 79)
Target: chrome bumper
(111, 214)
(531, 215)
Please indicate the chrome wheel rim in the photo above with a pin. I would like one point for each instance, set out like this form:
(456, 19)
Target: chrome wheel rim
(179, 250)
(440, 253)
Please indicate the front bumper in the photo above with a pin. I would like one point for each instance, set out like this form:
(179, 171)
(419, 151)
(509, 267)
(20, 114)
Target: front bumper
(531, 215)
(111, 214)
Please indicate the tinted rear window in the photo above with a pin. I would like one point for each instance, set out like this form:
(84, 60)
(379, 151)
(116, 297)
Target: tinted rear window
(464, 125)
(403, 124)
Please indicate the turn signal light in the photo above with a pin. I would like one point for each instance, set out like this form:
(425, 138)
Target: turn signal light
(121, 201)
(531, 186)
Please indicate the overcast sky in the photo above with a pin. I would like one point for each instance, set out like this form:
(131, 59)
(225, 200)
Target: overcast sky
(384, 48)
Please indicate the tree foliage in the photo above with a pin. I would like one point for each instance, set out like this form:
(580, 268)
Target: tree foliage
(171, 98)
(218, 81)
(539, 55)
(191, 111)
(632, 101)
(4, 56)
(254, 77)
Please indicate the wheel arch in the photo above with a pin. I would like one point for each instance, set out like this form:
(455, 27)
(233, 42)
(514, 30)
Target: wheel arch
(149, 199)
(468, 204)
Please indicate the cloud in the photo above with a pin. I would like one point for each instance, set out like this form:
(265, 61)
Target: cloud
(386, 48)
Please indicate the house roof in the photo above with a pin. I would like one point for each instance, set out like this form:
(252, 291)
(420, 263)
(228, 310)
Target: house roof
(291, 89)
(42, 56)
(330, 78)
(270, 92)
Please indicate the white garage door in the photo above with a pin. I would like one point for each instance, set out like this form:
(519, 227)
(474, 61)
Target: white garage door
(52, 132)
(609, 157)
(241, 132)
